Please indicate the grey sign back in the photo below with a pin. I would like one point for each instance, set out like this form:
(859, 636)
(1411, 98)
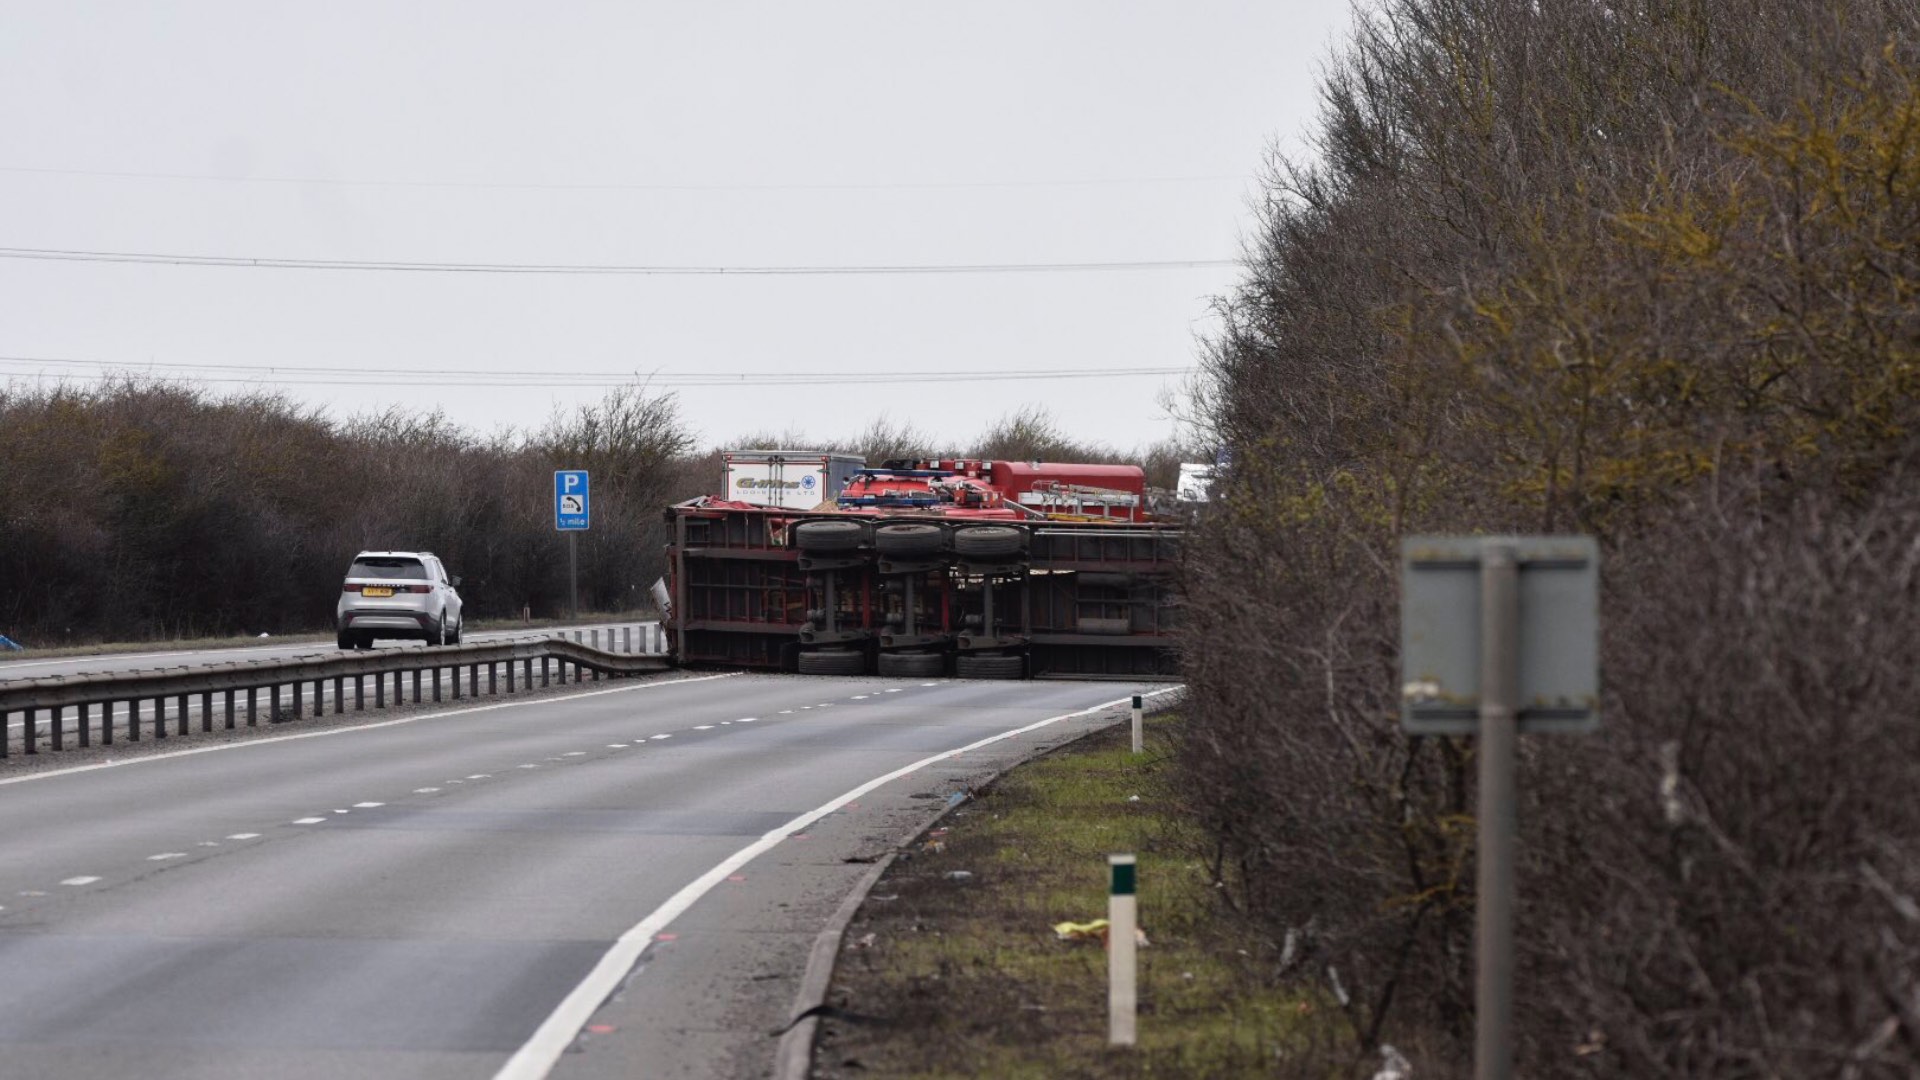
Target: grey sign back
(1559, 633)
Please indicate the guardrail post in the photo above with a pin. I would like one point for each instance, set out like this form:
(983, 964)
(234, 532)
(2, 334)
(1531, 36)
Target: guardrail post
(416, 686)
(295, 688)
(86, 732)
(510, 678)
(453, 676)
(546, 673)
(493, 677)
(380, 691)
(436, 685)
(273, 703)
(206, 711)
(526, 669)
(626, 639)
(229, 703)
(473, 680)
(133, 720)
(253, 706)
(159, 716)
(339, 694)
(31, 732)
(59, 727)
(5, 737)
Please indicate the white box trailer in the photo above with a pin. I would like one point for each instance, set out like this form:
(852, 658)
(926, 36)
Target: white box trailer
(789, 479)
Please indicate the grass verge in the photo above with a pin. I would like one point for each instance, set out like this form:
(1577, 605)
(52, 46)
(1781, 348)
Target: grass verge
(943, 976)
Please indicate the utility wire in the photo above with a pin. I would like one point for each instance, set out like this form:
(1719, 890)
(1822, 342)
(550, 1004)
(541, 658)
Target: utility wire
(155, 258)
(746, 382)
(615, 186)
(666, 378)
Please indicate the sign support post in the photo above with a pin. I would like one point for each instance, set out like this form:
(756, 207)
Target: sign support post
(1499, 819)
(573, 575)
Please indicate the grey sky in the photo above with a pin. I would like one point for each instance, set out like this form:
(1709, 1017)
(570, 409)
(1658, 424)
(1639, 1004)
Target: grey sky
(702, 134)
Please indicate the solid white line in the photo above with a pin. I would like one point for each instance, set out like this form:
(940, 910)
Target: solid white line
(271, 739)
(542, 1051)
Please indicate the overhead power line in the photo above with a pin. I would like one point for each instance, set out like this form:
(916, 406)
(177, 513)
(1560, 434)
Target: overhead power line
(323, 181)
(266, 263)
(297, 375)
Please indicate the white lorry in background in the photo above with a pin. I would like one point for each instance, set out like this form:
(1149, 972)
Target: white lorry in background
(789, 479)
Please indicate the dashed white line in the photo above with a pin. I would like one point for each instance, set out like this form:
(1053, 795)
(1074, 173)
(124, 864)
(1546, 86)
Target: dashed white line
(367, 805)
(308, 820)
(37, 892)
(929, 684)
(528, 765)
(78, 881)
(165, 855)
(786, 712)
(481, 776)
(859, 697)
(244, 836)
(892, 690)
(343, 811)
(703, 727)
(751, 719)
(663, 736)
(425, 790)
(616, 746)
(208, 843)
(575, 753)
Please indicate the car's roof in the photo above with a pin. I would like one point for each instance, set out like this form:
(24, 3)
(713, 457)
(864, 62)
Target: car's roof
(392, 554)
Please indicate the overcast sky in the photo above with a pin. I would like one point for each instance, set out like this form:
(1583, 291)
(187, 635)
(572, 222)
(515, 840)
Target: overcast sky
(632, 134)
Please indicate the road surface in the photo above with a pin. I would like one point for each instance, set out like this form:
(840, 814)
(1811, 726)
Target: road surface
(620, 882)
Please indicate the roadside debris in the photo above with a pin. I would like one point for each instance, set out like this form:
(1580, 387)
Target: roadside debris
(1093, 931)
(959, 875)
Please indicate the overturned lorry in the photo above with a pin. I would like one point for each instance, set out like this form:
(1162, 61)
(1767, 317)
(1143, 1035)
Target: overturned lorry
(978, 569)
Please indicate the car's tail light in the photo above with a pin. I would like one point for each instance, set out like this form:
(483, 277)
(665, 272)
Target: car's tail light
(349, 587)
(415, 588)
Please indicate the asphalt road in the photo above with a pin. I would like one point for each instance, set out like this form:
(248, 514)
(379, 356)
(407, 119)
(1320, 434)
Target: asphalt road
(622, 882)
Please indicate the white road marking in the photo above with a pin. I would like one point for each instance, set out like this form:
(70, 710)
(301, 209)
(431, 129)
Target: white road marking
(703, 727)
(244, 836)
(751, 719)
(575, 753)
(892, 690)
(367, 805)
(308, 820)
(425, 790)
(663, 736)
(481, 776)
(165, 855)
(529, 765)
(859, 697)
(330, 732)
(929, 684)
(77, 881)
(616, 746)
(537, 1056)
(38, 892)
(208, 843)
(343, 811)
(786, 712)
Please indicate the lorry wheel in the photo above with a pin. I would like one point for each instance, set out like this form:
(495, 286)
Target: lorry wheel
(833, 662)
(988, 541)
(907, 540)
(827, 535)
(989, 667)
(912, 663)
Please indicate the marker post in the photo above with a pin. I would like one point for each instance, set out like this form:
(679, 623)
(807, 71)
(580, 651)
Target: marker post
(1122, 984)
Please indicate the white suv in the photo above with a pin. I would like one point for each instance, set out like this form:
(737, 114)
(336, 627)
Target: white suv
(398, 594)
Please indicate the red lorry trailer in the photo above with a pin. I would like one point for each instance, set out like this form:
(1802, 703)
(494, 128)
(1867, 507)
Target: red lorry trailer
(980, 569)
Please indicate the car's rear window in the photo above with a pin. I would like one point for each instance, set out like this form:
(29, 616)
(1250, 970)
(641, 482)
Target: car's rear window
(401, 569)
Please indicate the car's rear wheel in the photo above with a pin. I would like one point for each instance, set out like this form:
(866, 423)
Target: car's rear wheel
(454, 637)
(346, 641)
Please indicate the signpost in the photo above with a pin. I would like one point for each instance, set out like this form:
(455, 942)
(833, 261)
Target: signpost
(572, 514)
(1499, 637)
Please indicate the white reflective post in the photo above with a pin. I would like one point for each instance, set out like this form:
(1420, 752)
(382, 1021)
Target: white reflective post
(1122, 915)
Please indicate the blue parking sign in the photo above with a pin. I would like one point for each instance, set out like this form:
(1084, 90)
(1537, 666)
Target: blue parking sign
(570, 509)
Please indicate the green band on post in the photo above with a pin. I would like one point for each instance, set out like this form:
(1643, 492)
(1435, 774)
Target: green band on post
(1122, 879)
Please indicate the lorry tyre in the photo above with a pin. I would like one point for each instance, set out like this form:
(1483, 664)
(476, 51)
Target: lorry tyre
(989, 667)
(833, 662)
(912, 663)
(827, 535)
(908, 540)
(988, 541)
